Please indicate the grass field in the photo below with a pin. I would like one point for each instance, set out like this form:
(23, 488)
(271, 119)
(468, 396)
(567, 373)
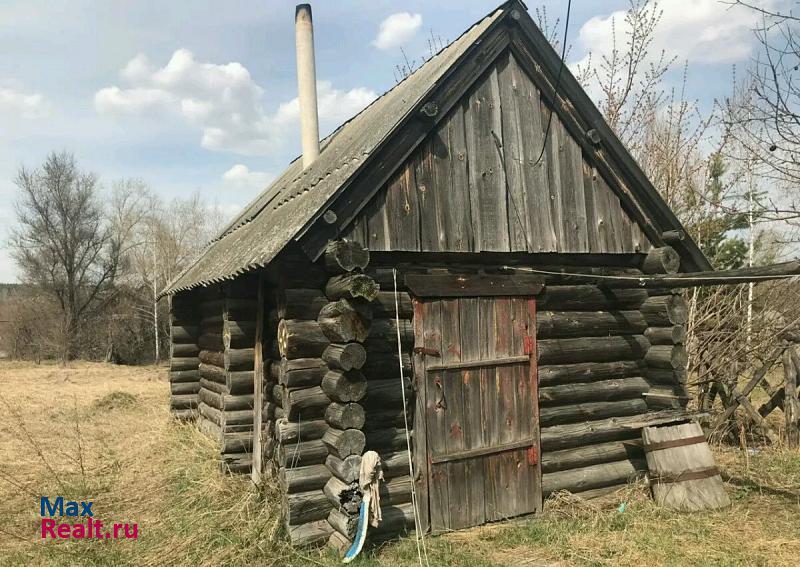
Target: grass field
(102, 432)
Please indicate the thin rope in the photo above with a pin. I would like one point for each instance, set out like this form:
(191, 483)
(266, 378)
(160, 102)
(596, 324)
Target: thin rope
(420, 539)
(649, 279)
(296, 455)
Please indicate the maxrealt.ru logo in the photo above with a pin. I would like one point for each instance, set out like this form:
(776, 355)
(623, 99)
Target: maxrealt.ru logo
(90, 528)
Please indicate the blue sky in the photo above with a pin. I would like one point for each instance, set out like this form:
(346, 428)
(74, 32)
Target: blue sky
(198, 95)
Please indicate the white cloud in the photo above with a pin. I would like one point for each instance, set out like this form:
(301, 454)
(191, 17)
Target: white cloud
(221, 100)
(242, 176)
(397, 29)
(13, 102)
(700, 31)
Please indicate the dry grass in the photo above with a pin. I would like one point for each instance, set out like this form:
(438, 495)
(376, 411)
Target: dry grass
(103, 432)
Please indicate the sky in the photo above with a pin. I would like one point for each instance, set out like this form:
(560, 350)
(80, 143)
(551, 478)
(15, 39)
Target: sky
(200, 95)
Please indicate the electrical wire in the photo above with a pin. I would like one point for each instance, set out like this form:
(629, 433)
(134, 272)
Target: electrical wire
(648, 279)
(558, 83)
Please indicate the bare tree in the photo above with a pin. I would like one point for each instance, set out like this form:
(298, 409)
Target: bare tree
(63, 244)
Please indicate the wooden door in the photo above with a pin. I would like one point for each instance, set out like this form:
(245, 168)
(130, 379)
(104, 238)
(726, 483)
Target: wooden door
(478, 371)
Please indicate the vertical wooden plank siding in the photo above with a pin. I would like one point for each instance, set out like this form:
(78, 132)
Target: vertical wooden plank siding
(486, 178)
(459, 192)
(469, 321)
(520, 228)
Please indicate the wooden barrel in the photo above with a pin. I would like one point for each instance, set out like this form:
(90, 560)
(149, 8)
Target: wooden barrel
(683, 474)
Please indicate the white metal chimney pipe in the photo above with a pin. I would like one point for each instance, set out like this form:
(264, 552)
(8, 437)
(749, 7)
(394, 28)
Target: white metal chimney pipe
(306, 83)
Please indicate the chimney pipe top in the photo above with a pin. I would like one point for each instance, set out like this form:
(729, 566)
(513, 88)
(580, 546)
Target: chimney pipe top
(306, 83)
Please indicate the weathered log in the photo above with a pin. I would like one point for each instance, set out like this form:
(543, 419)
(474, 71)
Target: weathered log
(185, 401)
(605, 390)
(675, 335)
(211, 341)
(345, 256)
(183, 334)
(388, 418)
(238, 463)
(239, 334)
(589, 298)
(387, 394)
(344, 496)
(303, 304)
(305, 507)
(672, 357)
(339, 542)
(290, 431)
(226, 402)
(386, 440)
(612, 429)
(576, 413)
(303, 479)
(553, 461)
(396, 520)
(591, 349)
(384, 305)
(212, 321)
(562, 324)
(301, 339)
(308, 403)
(665, 310)
(184, 376)
(395, 464)
(348, 356)
(347, 469)
(344, 442)
(301, 372)
(345, 416)
(240, 382)
(667, 397)
(396, 491)
(212, 372)
(212, 358)
(185, 350)
(343, 523)
(594, 476)
(345, 320)
(385, 330)
(238, 442)
(212, 386)
(239, 359)
(350, 386)
(351, 286)
(301, 454)
(179, 388)
(666, 375)
(212, 414)
(663, 260)
(588, 372)
(386, 364)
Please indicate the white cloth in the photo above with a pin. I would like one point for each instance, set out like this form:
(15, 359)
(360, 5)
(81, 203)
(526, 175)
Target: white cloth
(369, 477)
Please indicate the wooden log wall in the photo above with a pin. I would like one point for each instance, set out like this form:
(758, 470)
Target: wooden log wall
(184, 379)
(227, 359)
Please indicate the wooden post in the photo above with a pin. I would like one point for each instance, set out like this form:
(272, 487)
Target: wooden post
(258, 384)
(791, 405)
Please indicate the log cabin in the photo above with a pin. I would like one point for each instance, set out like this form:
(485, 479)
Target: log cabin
(472, 277)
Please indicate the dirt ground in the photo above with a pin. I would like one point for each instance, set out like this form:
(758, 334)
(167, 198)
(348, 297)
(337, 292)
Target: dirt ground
(103, 432)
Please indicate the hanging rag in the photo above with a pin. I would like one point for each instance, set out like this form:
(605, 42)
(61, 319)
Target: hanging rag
(369, 478)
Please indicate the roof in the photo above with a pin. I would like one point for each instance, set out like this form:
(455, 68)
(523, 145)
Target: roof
(296, 198)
